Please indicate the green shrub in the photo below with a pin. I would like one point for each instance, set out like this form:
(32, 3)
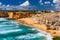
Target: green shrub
(56, 38)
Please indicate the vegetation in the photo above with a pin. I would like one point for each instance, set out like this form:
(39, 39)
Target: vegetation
(56, 38)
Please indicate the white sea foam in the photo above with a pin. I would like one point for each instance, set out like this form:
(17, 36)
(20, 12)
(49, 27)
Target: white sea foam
(41, 33)
(7, 31)
(2, 19)
(48, 36)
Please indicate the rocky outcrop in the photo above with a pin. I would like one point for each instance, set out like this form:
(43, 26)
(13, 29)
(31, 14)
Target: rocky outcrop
(49, 22)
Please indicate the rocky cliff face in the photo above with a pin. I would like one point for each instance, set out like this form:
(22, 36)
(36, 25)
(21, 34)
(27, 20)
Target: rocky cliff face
(16, 15)
(51, 20)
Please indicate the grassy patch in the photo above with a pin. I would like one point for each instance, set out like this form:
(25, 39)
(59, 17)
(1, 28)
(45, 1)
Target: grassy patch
(56, 38)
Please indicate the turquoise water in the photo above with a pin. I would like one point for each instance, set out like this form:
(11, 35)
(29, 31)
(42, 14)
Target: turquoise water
(11, 30)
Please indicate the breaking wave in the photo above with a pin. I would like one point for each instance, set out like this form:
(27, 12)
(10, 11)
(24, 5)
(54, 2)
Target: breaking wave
(11, 30)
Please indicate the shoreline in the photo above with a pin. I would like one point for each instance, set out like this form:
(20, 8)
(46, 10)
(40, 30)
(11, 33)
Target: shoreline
(37, 26)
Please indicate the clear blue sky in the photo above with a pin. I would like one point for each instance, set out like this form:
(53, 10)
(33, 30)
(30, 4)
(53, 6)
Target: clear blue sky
(41, 5)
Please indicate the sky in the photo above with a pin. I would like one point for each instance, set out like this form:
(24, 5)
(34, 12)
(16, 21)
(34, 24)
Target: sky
(30, 4)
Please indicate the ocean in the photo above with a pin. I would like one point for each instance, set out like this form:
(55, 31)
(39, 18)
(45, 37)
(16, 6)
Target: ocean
(12, 30)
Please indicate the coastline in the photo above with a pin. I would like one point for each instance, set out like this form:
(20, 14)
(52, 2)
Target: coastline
(37, 26)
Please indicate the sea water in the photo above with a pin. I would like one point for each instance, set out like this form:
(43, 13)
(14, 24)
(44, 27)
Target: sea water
(12, 30)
